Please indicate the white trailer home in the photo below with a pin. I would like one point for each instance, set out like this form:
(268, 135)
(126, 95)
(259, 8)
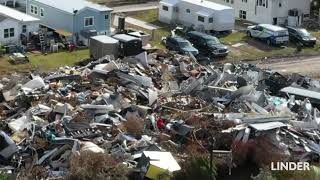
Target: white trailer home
(202, 14)
(277, 12)
(15, 25)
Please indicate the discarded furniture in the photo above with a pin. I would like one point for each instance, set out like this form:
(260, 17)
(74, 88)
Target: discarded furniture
(18, 58)
(158, 165)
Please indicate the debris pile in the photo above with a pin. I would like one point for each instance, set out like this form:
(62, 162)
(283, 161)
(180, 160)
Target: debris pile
(148, 114)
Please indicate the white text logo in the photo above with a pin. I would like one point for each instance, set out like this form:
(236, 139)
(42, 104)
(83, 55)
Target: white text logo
(290, 166)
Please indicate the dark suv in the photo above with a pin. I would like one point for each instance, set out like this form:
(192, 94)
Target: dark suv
(207, 44)
(301, 36)
(181, 45)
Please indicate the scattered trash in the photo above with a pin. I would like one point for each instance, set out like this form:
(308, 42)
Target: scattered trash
(147, 110)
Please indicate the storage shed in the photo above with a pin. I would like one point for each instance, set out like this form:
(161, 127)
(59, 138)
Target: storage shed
(129, 45)
(103, 45)
(145, 38)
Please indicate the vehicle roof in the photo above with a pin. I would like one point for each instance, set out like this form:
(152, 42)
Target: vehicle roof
(179, 39)
(272, 27)
(204, 35)
(295, 28)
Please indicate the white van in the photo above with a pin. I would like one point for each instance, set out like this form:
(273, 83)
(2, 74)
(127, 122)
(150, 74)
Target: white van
(271, 34)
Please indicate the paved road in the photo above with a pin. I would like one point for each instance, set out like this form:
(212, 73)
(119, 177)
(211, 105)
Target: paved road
(307, 66)
(136, 7)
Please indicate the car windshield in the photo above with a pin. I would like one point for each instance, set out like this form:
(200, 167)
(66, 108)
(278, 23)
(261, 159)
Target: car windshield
(213, 41)
(304, 32)
(184, 44)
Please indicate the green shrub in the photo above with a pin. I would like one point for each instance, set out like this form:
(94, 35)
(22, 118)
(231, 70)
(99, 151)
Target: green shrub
(4, 176)
(196, 167)
(2, 50)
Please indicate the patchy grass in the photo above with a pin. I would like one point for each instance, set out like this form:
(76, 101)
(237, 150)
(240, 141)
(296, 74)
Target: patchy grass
(45, 62)
(255, 50)
(316, 34)
(157, 37)
(151, 16)
(249, 53)
(4, 176)
(147, 16)
(234, 38)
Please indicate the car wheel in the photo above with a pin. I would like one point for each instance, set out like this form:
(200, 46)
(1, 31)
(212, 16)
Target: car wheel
(269, 42)
(249, 34)
(210, 56)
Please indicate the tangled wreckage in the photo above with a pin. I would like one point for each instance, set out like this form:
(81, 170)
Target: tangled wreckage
(150, 113)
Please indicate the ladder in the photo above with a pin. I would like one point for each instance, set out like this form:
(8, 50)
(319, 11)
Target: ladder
(42, 39)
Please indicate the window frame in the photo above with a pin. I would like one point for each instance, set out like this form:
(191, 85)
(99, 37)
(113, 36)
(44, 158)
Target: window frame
(41, 12)
(8, 33)
(31, 9)
(210, 20)
(89, 17)
(243, 14)
(11, 32)
(199, 17)
(34, 9)
(165, 8)
(24, 28)
(5, 33)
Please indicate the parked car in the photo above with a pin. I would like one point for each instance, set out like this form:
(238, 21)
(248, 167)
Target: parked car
(271, 34)
(207, 44)
(301, 36)
(181, 45)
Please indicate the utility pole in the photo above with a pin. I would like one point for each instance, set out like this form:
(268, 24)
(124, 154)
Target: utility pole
(212, 142)
(319, 15)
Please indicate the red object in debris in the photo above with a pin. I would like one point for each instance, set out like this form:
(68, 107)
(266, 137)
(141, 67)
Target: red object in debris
(71, 47)
(161, 123)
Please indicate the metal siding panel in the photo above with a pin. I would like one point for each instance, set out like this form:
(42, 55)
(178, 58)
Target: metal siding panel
(53, 17)
(6, 24)
(100, 23)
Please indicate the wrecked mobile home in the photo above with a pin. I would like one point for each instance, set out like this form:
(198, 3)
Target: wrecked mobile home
(155, 116)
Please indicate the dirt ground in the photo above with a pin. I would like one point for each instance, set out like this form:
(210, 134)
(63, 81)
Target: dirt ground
(309, 66)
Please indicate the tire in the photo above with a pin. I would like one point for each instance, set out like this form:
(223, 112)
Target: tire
(249, 34)
(269, 42)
